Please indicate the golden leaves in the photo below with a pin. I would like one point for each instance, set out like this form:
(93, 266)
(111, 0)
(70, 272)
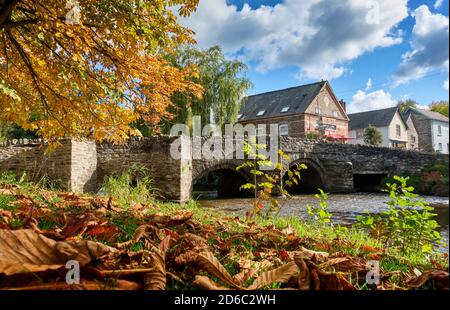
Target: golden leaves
(92, 79)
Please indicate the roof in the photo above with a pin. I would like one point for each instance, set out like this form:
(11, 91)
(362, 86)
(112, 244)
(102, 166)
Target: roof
(377, 118)
(427, 114)
(297, 99)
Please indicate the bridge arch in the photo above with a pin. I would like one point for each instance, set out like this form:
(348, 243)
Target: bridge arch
(221, 177)
(311, 179)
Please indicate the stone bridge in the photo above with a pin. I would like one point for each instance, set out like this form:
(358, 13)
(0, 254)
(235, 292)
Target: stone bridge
(81, 166)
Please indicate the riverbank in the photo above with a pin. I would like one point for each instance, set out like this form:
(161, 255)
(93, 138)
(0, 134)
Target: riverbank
(168, 246)
(344, 207)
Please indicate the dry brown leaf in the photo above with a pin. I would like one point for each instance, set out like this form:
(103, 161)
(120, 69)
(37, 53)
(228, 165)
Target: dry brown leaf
(25, 251)
(208, 262)
(281, 275)
(157, 278)
(78, 224)
(304, 277)
(140, 233)
(345, 264)
(316, 257)
(208, 284)
(243, 276)
(439, 277)
(187, 257)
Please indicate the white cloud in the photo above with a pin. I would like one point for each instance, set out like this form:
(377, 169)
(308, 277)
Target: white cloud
(445, 85)
(438, 4)
(320, 37)
(429, 47)
(369, 84)
(377, 100)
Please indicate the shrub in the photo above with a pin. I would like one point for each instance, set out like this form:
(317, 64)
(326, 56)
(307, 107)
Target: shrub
(408, 225)
(131, 187)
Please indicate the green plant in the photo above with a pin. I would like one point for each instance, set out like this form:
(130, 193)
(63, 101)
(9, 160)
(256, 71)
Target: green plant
(131, 187)
(408, 225)
(320, 213)
(264, 183)
(373, 136)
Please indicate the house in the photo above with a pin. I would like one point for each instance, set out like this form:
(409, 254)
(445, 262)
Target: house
(389, 121)
(413, 135)
(301, 111)
(432, 128)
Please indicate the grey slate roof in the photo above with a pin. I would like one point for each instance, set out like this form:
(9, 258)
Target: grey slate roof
(427, 114)
(298, 99)
(377, 118)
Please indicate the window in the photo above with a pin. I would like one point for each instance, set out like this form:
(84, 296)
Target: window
(440, 147)
(239, 116)
(413, 138)
(318, 110)
(260, 131)
(284, 110)
(335, 114)
(439, 130)
(398, 130)
(284, 130)
(261, 113)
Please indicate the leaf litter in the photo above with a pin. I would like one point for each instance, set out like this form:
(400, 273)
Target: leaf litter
(171, 251)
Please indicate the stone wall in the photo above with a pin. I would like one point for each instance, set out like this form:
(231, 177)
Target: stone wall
(172, 177)
(71, 164)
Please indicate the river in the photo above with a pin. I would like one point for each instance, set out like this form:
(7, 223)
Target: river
(344, 207)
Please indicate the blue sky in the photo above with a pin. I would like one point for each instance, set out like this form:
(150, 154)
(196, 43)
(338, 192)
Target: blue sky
(403, 53)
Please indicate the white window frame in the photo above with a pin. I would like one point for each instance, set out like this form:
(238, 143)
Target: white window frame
(283, 130)
(398, 130)
(285, 109)
(261, 113)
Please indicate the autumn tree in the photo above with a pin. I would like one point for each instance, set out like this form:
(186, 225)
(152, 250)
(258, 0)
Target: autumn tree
(440, 107)
(90, 67)
(372, 136)
(224, 82)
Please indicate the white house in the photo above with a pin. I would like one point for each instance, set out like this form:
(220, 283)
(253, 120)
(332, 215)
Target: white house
(432, 128)
(392, 126)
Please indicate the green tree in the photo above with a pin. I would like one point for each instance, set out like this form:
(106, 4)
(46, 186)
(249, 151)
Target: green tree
(372, 136)
(440, 107)
(224, 83)
(403, 105)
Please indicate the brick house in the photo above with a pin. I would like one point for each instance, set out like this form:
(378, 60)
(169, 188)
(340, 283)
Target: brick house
(432, 129)
(299, 111)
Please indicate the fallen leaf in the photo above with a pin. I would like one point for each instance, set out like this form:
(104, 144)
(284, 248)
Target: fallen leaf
(317, 257)
(208, 262)
(304, 277)
(439, 277)
(156, 279)
(25, 251)
(279, 275)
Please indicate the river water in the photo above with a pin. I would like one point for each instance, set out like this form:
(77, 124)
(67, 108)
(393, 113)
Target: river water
(344, 207)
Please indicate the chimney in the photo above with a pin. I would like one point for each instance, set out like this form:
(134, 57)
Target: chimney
(344, 105)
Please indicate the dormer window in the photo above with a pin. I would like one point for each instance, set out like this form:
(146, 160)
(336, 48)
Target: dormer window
(285, 109)
(239, 116)
(261, 113)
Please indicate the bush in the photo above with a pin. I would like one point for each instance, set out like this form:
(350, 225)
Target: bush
(408, 225)
(131, 187)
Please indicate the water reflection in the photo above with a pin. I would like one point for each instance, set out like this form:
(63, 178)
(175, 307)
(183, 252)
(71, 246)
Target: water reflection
(344, 207)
